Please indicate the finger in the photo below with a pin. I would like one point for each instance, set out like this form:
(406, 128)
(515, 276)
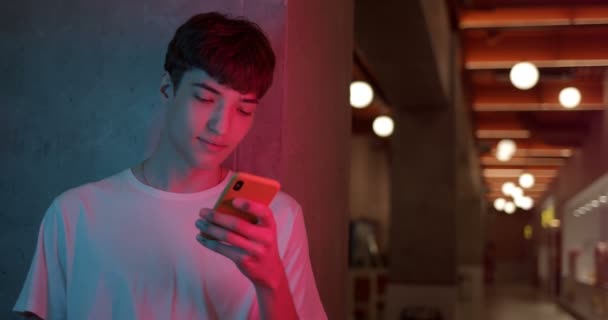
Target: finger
(231, 238)
(237, 255)
(259, 210)
(250, 231)
(204, 212)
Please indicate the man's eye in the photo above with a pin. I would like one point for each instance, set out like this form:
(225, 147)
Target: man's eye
(203, 99)
(245, 112)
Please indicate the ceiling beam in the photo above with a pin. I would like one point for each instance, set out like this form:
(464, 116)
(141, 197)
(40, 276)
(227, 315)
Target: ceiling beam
(498, 192)
(537, 187)
(493, 172)
(492, 196)
(522, 162)
(540, 153)
(526, 192)
(503, 134)
(570, 138)
(501, 180)
(521, 167)
(533, 17)
(543, 97)
(546, 48)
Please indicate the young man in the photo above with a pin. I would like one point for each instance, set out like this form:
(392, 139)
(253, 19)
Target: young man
(128, 246)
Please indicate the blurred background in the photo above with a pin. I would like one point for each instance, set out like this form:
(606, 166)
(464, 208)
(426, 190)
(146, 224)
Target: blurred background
(449, 154)
(495, 160)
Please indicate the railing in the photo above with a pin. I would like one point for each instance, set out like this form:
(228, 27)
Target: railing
(367, 293)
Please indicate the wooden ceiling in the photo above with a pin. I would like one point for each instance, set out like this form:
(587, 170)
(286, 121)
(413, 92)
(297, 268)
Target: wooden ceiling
(567, 40)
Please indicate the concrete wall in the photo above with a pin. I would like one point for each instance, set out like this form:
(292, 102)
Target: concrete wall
(588, 164)
(316, 150)
(81, 102)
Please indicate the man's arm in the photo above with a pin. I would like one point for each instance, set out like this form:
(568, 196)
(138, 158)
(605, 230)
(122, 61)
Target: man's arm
(276, 303)
(254, 250)
(43, 295)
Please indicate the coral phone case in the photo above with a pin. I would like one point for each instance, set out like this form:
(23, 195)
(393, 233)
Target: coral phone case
(248, 186)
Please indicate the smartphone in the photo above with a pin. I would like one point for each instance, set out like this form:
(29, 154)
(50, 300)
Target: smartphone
(248, 186)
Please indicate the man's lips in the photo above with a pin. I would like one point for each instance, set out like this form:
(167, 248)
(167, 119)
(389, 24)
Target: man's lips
(212, 142)
(211, 146)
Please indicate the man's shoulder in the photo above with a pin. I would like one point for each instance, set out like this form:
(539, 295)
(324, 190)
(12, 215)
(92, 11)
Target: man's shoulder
(285, 202)
(91, 189)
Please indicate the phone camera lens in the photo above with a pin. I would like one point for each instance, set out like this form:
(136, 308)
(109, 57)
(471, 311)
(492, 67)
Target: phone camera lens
(238, 185)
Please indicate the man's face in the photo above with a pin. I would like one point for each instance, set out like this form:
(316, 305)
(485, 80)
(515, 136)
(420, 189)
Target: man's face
(206, 120)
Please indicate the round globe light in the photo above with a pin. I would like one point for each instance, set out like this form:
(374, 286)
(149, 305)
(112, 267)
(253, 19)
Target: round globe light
(526, 180)
(518, 201)
(524, 75)
(525, 202)
(505, 149)
(507, 188)
(361, 94)
(499, 204)
(503, 156)
(570, 97)
(383, 126)
(517, 192)
(510, 207)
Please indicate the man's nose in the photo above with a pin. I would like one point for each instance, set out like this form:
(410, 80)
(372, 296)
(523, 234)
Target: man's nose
(220, 119)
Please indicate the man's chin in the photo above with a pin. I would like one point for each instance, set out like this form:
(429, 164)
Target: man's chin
(208, 161)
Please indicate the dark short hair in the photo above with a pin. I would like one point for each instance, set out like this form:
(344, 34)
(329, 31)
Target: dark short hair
(234, 51)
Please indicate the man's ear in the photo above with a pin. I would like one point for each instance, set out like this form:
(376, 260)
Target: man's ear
(166, 87)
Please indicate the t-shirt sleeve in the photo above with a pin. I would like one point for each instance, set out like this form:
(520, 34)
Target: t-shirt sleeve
(44, 290)
(299, 273)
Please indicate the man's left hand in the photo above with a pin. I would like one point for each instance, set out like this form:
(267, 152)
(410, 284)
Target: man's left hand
(252, 247)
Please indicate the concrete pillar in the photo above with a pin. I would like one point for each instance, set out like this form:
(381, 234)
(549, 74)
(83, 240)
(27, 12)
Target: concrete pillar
(82, 98)
(305, 140)
(423, 256)
(437, 220)
(470, 203)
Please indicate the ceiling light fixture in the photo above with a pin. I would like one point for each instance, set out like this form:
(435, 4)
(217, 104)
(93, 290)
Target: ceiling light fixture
(499, 204)
(570, 97)
(526, 180)
(510, 207)
(524, 75)
(361, 94)
(383, 126)
(505, 150)
(507, 188)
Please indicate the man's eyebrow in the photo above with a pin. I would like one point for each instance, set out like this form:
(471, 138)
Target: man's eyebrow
(206, 87)
(256, 101)
(212, 89)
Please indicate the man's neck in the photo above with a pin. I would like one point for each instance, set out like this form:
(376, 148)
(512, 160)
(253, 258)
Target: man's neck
(163, 174)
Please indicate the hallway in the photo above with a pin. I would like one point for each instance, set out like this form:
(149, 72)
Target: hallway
(521, 303)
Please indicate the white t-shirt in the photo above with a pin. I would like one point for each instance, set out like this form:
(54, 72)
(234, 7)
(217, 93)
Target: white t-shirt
(119, 249)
